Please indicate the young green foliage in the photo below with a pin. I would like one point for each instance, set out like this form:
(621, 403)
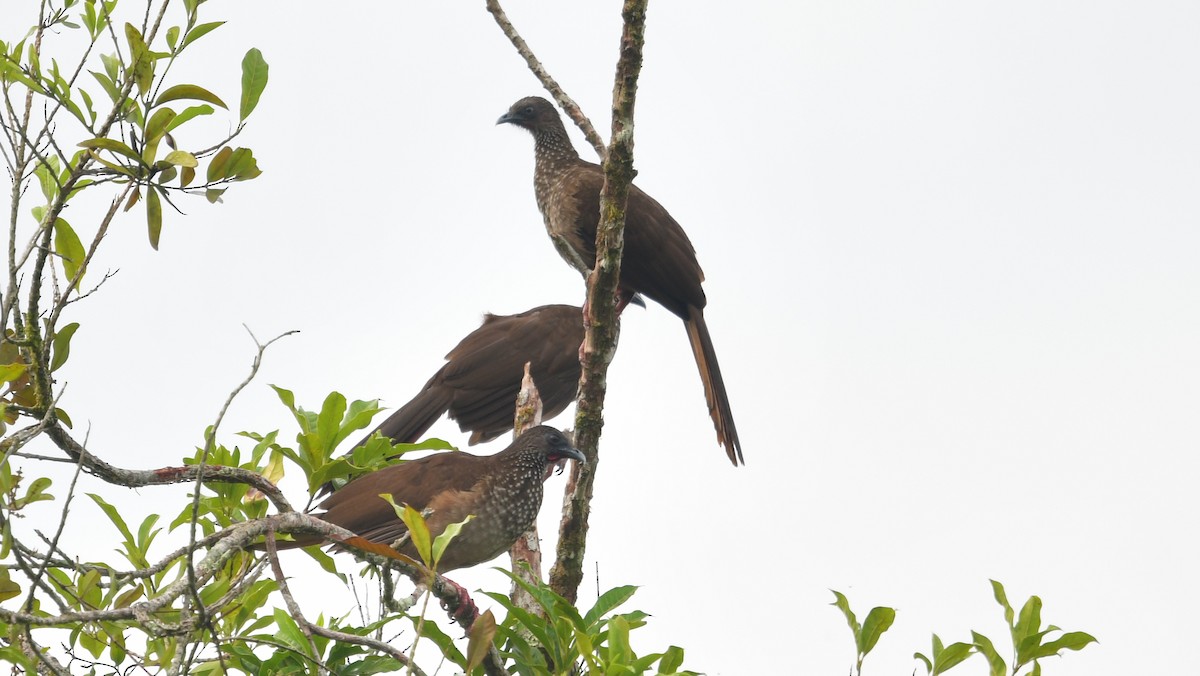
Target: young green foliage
(562, 641)
(866, 635)
(1028, 637)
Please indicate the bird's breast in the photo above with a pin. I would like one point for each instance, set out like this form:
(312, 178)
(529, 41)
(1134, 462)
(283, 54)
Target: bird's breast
(509, 510)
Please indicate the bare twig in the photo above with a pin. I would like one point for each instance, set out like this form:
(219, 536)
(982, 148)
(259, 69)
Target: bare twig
(209, 446)
(560, 96)
(290, 602)
(134, 478)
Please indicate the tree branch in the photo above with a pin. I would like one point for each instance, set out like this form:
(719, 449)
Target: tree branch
(560, 96)
(526, 552)
(600, 341)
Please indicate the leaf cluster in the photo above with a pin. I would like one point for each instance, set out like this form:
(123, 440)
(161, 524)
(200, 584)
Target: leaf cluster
(1029, 639)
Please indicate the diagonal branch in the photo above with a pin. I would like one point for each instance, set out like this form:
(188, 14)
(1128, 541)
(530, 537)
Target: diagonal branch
(560, 96)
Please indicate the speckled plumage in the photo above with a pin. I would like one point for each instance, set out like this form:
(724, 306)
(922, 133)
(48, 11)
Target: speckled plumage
(502, 491)
(658, 261)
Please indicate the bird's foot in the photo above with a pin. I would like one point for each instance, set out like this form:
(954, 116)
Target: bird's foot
(464, 610)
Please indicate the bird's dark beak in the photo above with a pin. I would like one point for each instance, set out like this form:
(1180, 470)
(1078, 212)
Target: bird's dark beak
(507, 117)
(572, 453)
(638, 300)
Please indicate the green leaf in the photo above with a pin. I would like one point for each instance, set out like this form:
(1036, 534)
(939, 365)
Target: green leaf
(68, 247)
(153, 216)
(10, 372)
(157, 126)
(619, 651)
(443, 539)
(114, 515)
(8, 588)
(951, 657)
(45, 175)
(983, 644)
(418, 531)
(1002, 599)
(189, 113)
(608, 602)
(328, 422)
(182, 158)
(112, 145)
(216, 166)
(878, 621)
(62, 345)
(172, 36)
(671, 660)
(200, 31)
(1075, 640)
(289, 632)
(843, 604)
(141, 62)
(254, 80)
(35, 493)
(1029, 620)
(430, 631)
(536, 625)
(241, 165)
(106, 83)
(189, 91)
(127, 598)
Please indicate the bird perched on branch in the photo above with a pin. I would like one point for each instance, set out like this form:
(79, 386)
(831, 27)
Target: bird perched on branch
(479, 383)
(503, 492)
(659, 261)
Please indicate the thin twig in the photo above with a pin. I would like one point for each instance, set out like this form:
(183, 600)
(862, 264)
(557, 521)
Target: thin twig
(565, 102)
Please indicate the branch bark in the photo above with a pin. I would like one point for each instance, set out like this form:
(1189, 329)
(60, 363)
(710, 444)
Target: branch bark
(527, 549)
(600, 341)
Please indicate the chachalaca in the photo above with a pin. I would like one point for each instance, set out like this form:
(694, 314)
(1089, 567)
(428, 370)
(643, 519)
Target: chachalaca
(658, 261)
(502, 491)
(480, 380)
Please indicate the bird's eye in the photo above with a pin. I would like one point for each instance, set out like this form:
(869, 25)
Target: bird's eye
(528, 110)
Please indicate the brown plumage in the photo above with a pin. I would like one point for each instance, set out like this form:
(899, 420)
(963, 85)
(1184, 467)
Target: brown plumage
(658, 262)
(502, 491)
(479, 383)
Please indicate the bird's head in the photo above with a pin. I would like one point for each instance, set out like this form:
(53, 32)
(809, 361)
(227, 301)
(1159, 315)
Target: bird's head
(541, 448)
(531, 112)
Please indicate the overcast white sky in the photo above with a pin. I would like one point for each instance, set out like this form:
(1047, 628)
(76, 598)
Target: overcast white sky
(950, 251)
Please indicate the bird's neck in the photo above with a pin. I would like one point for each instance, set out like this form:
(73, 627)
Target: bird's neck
(553, 149)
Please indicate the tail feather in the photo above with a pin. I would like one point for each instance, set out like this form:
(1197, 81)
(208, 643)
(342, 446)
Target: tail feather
(411, 421)
(714, 385)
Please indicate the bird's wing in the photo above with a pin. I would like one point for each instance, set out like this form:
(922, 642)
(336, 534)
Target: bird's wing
(357, 506)
(485, 369)
(659, 260)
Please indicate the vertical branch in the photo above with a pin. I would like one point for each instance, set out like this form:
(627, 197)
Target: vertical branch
(600, 341)
(527, 549)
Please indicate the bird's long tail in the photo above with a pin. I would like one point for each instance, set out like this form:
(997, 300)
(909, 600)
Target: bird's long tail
(714, 385)
(409, 422)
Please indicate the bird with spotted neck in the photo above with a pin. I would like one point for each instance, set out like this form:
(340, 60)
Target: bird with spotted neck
(658, 262)
(502, 492)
